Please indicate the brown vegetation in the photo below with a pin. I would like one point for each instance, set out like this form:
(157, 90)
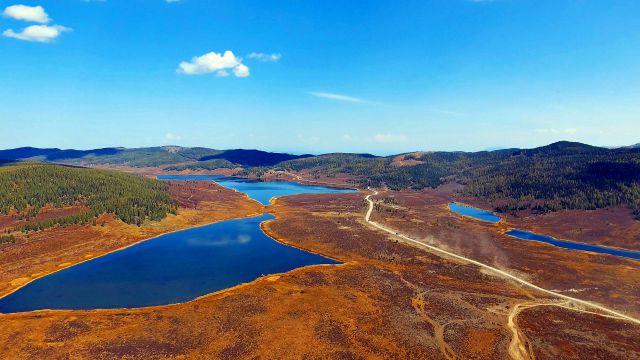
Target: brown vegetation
(48, 212)
(407, 159)
(605, 279)
(559, 333)
(387, 300)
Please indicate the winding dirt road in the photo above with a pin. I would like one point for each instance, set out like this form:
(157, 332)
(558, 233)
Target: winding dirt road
(517, 348)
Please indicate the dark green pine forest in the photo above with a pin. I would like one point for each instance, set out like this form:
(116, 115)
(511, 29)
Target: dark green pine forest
(26, 188)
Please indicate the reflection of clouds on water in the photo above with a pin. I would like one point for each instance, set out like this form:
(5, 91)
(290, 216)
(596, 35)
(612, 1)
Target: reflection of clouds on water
(241, 239)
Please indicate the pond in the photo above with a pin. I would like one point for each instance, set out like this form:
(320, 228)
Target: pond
(472, 212)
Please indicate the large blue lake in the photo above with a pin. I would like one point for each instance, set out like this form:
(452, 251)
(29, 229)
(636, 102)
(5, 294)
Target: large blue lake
(176, 267)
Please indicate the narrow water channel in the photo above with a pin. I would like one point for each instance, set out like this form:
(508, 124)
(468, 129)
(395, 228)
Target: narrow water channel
(483, 215)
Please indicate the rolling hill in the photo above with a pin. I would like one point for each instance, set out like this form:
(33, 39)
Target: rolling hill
(26, 188)
(562, 175)
(194, 158)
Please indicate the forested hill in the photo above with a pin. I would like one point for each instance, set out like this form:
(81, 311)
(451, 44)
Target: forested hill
(551, 179)
(562, 175)
(26, 188)
(253, 157)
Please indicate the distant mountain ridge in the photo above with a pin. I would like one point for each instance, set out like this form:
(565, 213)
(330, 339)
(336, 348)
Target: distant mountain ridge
(187, 157)
(152, 156)
(52, 154)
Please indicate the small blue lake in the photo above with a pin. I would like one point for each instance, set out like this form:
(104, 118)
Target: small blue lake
(175, 267)
(261, 191)
(473, 212)
(525, 235)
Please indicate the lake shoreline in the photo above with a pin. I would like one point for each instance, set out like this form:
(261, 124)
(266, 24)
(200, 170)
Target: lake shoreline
(121, 249)
(263, 226)
(187, 218)
(478, 214)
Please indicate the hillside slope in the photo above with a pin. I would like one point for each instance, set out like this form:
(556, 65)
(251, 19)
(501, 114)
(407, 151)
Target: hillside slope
(562, 175)
(26, 189)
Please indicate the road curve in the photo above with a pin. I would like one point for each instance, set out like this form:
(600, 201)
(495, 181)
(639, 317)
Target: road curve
(495, 270)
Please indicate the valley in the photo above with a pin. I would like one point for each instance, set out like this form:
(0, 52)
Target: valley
(413, 279)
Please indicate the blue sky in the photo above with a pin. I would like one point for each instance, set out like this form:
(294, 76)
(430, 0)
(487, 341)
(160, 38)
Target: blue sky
(365, 76)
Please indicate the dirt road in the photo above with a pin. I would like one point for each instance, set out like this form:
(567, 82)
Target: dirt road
(517, 348)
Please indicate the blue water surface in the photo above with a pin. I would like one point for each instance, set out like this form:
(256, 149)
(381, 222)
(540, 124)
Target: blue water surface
(473, 212)
(261, 191)
(525, 235)
(175, 267)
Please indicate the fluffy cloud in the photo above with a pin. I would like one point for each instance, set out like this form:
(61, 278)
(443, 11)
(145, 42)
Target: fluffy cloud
(27, 13)
(265, 57)
(241, 71)
(214, 63)
(37, 33)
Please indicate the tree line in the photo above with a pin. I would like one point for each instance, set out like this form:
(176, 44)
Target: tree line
(25, 189)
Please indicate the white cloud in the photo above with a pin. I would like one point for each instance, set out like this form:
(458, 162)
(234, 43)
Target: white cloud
(265, 57)
(27, 13)
(172, 136)
(37, 33)
(389, 138)
(241, 71)
(338, 97)
(214, 63)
